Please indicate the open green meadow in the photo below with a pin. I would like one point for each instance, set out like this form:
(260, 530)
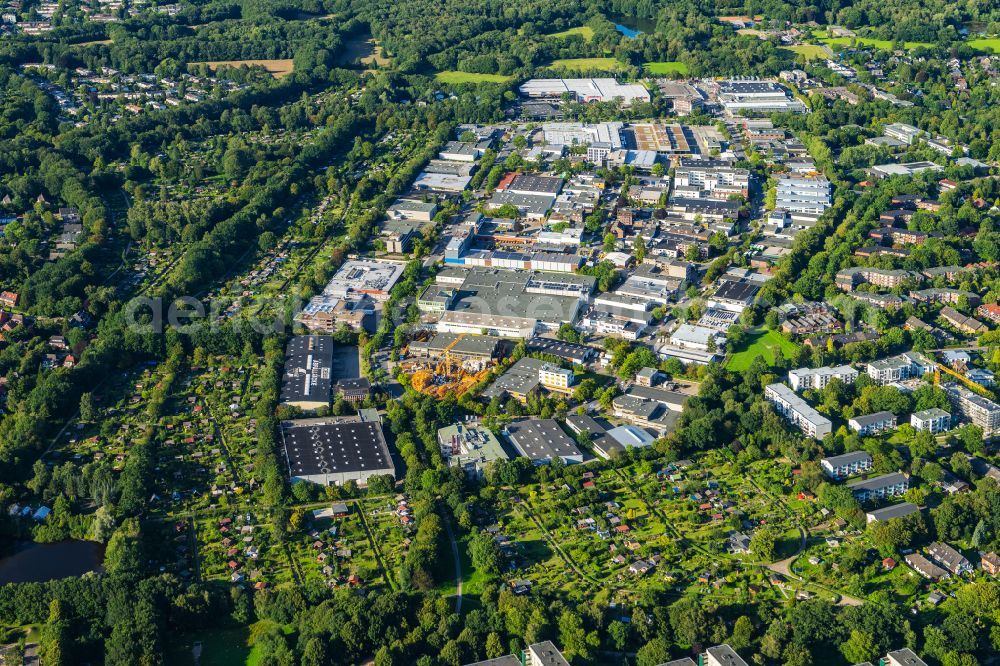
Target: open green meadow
(809, 51)
(764, 343)
(985, 44)
(584, 31)
(586, 64)
(455, 77)
(665, 67)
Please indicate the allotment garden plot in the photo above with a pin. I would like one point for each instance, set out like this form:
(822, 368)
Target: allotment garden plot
(636, 528)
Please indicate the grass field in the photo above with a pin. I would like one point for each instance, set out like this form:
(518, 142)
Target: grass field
(455, 78)
(96, 42)
(584, 31)
(586, 64)
(666, 67)
(377, 57)
(276, 68)
(809, 51)
(763, 343)
(985, 44)
(219, 647)
(883, 44)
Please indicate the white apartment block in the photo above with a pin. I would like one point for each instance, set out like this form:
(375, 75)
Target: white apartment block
(798, 411)
(975, 408)
(818, 378)
(871, 424)
(720, 180)
(897, 368)
(880, 487)
(848, 464)
(932, 420)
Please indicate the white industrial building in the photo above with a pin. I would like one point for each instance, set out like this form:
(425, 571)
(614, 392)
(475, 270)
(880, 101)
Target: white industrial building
(585, 90)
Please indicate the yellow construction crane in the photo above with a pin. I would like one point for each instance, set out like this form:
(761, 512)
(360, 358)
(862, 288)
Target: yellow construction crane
(973, 386)
(447, 350)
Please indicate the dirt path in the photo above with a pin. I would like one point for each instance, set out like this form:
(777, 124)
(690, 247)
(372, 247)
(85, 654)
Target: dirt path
(458, 565)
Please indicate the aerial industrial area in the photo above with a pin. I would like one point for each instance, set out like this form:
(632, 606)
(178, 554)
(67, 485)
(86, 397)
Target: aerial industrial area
(451, 334)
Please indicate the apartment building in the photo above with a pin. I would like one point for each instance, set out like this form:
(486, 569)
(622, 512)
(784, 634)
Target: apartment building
(975, 408)
(902, 657)
(554, 377)
(897, 368)
(847, 464)
(539, 654)
(719, 181)
(803, 195)
(872, 424)
(721, 655)
(932, 420)
(850, 278)
(908, 134)
(798, 411)
(818, 378)
(880, 487)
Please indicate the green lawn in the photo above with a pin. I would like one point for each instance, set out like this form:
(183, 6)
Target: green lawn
(219, 647)
(455, 78)
(583, 64)
(985, 44)
(665, 67)
(883, 44)
(809, 51)
(584, 31)
(763, 343)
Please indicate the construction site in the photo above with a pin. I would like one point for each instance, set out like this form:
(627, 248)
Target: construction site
(442, 363)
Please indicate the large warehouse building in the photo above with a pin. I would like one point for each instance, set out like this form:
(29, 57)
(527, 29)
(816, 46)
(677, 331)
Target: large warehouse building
(335, 450)
(585, 90)
(307, 381)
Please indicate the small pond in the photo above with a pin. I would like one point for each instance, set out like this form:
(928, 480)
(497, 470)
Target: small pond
(40, 562)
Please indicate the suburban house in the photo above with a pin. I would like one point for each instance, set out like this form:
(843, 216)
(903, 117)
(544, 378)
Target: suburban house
(949, 558)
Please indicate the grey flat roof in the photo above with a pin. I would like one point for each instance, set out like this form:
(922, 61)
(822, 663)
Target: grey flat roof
(730, 290)
(907, 657)
(532, 184)
(663, 396)
(541, 439)
(335, 446)
(726, 656)
(308, 369)
(507, 660)
(932, 413)
(564, 350)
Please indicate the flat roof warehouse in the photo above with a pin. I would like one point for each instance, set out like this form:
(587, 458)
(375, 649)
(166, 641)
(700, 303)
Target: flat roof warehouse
(335, 450)
(307, 379)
